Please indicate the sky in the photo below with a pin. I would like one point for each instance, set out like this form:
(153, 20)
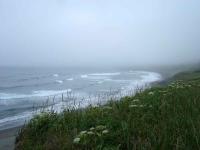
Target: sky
(99, 32)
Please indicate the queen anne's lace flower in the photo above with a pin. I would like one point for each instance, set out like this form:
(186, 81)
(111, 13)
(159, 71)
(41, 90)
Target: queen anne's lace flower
(104, 131)
(76, 140)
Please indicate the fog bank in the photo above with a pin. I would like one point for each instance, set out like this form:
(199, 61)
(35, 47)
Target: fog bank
(91, 33)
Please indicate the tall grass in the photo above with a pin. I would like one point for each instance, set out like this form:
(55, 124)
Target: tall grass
(158, 118)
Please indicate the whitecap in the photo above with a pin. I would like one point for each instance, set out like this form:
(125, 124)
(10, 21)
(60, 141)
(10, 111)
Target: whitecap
(41, 93)
(105, 74)
(59, 81)
(146, 78)
(100, 82)
(151, 77)
(84, 76)
(5, 96)
(55, 75)
(70, 79)
(100, 75)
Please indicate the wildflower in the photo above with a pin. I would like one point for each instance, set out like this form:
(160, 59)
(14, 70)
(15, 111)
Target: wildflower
(132, 106)
(92, 129)
(90, 133)
(82, 133)
(76, 140)
(136, 100)
(151, 93)
(180, 87)
(105, 132)
(100, 127)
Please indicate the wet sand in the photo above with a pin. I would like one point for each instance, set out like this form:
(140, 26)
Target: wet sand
(7, 138)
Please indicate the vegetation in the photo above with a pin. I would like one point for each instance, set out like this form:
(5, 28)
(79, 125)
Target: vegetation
(166, 117)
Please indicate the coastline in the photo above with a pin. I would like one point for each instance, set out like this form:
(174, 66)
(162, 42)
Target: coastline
(7, 138)
(150, 115)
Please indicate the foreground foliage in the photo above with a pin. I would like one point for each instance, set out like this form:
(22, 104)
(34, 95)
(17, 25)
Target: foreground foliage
(158, 118)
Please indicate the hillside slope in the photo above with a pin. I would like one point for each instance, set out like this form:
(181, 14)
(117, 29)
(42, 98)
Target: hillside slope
(166, 117)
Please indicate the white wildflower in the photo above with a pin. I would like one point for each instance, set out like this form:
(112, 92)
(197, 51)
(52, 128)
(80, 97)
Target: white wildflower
(92, 129)
(151, 93)
(136, 100)
(82, 133)
(132, 106)
(76, 140)
(90, 133)
(100, 127)
(105, 132)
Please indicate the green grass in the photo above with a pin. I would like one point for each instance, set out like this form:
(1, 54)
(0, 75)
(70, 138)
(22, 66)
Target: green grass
(166, 117)
(188, 75)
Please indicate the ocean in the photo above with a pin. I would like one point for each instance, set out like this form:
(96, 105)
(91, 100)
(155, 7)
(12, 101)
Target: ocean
(23, 90)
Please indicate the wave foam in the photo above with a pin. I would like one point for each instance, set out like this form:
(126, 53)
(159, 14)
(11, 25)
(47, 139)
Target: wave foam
(44, 93)
(41, 93)
(70, 79)
(84, 76)
(151, 77)
(100, 76)
(55, 75)
(146, 79)
(105, 74)
(59, 81)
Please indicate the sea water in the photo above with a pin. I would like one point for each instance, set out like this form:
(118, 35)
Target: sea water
(21, 89)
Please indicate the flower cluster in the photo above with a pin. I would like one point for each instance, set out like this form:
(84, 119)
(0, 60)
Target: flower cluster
(180, 85)
(135, 104)
(89, 135)
(151, 93)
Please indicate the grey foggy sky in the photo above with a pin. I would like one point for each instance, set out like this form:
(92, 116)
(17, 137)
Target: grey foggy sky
(103, 32)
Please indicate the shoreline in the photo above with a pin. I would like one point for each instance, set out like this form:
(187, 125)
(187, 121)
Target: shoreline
(7, 138)
(137, 121)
